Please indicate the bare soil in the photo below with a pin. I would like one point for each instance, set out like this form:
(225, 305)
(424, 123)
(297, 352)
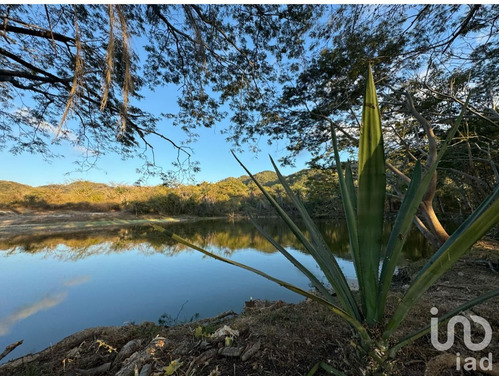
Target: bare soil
(276, 338)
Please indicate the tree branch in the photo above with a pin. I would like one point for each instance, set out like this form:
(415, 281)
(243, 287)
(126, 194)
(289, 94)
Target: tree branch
(9, 349)
(398, 172)
(8, 75)
(42, 33)
(463, 26)
(462, 103)
(27, 65)
(212, 23)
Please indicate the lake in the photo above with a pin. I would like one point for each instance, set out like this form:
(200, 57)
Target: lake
(53, 286)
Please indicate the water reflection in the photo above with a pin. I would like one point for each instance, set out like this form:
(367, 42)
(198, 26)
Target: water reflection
(61, 284)
(23, 313)
(221, 236)
(78, 280)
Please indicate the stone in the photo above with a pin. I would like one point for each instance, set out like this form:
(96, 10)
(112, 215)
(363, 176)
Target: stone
(231, 351)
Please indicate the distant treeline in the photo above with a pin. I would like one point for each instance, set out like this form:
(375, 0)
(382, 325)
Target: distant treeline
(317, 188)
(230, 196)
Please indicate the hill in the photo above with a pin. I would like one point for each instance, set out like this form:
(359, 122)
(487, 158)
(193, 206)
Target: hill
(228, 196)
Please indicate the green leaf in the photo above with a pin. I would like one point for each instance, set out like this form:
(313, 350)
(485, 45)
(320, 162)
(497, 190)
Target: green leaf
(335, 309)
(400, 230)
(408, 209)
(315, 282)
(327, 268)
(371, 199)
(322, 253)
(348, 201)
(173, 367)
(478, 224)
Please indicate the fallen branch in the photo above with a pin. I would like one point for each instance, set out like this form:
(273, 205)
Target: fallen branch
(10, 348)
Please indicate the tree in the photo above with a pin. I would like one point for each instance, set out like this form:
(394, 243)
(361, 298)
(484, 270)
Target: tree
(65, 77)
(427, 57)
(283, 71)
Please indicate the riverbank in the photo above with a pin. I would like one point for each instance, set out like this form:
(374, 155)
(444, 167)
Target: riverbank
(58, 222)
(275, 338)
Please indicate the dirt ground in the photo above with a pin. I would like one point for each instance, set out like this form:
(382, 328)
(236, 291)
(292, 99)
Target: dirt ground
(276, 338)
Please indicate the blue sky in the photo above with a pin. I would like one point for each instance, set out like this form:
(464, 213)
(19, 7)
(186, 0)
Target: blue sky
(211, 151)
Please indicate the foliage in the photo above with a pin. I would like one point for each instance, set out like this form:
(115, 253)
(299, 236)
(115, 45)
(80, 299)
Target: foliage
(427, 58)
(364, 212)
(281, 71)
(243, 62)
(228, 196)
(77, 60)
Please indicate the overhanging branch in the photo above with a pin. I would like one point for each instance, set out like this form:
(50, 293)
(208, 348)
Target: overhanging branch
(42, 33)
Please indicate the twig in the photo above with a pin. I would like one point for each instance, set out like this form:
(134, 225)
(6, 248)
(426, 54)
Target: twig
(225, 314)
(10, 348)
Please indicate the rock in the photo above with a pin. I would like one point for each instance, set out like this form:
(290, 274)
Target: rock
(140, 358)
(146, 370)
(225, 331)
(94, 371)
(251, 351)
(231, 351)
(128, 349)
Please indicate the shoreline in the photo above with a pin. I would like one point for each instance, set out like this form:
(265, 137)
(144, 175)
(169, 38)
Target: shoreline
(59, 222)
(273, 338)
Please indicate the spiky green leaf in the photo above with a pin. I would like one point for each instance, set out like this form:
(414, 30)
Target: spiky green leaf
(479, 223)
(371, 199)
(398, 235)
(322, 253)
(335, 309)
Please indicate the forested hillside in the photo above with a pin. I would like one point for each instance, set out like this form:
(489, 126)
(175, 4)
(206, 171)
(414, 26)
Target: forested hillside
(226, 197)
(318, 188)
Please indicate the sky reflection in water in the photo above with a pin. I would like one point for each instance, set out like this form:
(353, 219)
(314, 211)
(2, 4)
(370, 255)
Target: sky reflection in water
(58, 285)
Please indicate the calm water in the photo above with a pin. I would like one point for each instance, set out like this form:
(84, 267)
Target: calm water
(54, 286)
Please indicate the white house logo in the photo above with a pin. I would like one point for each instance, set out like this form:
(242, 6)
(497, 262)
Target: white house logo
(469, 363)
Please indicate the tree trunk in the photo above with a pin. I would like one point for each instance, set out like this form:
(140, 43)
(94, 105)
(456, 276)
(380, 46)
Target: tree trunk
(433, 230)
(434, 225)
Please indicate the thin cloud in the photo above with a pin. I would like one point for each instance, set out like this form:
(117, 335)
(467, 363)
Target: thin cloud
(23, 313)
(79, 280)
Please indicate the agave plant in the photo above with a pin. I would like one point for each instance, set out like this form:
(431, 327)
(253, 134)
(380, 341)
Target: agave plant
(364, 211)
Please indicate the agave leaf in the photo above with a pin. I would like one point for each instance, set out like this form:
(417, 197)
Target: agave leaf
(407, 212)
(398, 235)
(483, 219)
(443, 319)
(327, 268)
(371, 198)
(315, 282)
(349, 181)
(335, 309)
(323, 255)
(348, 203)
